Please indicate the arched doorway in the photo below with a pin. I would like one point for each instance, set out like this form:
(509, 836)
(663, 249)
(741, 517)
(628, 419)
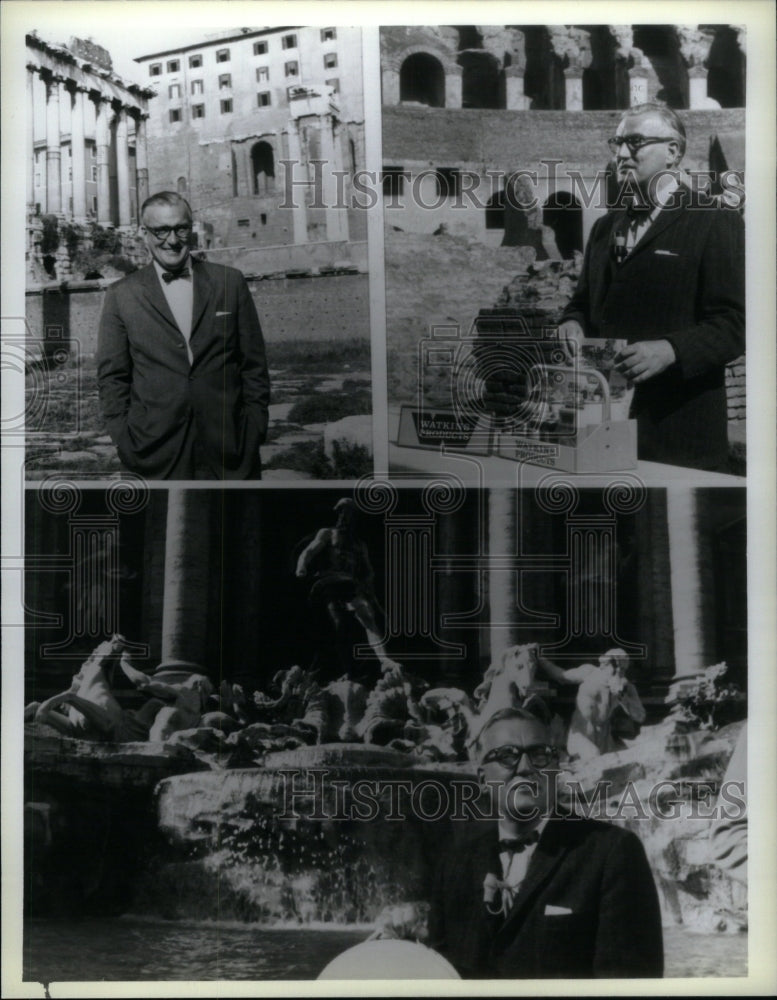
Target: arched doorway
(422, 80)
(263, 168)
(181, 185)
(562, 212)
(662, 48)
(481, 80)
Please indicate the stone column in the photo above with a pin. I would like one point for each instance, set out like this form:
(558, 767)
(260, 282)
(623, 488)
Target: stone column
(638, 86)
(654, 596)
(691, 580)
(336, 218)
(453, 87)
(502, 590)
(573, 88)
(299, 212)
(697, 87)
(78, 154)
(53, 148)
(390, 79)
(515, 97)
(30, 144)
(103, 141)
(187, 558)
(141, 160)
(122, 167)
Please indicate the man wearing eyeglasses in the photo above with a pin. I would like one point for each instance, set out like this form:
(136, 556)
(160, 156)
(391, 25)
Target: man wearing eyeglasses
(667, 274)
(181, 362)
(539, 893)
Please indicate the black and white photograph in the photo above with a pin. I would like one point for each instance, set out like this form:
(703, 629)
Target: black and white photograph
(197, 286)
(388, 460)
(548, 185)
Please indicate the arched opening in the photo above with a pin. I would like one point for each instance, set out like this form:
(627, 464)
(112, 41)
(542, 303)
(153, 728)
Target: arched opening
(495, 211)
(662, 48)
(562, 212)
(181, 185)
(422, 80)
(263, 168)
(481, 81)
(726, 65)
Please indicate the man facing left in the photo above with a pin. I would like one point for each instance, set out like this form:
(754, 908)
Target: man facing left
(181, 362)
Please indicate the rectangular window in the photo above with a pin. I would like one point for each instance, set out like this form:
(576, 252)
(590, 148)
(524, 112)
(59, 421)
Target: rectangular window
(94, 202)
(330, 60)
(225, 81)
(328, 34)
(70, 173)
(196, 86)
(175, 114)
(226, 107)
(93, 152)
(155, 69)
(195, 62)
(244, 223)
(263, 99)
(334, 84)
(448, 182)
(173, 65)
(174, 90)
(292, 68)
(94, 173)
(222, 55)
(292, 92)
(260, 48)
(37, 179)
(393, 181)
(198, 110)
(262, 74)
(263, 218)
(289, 42)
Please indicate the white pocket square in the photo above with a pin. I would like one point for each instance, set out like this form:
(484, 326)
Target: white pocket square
(556, 911)
(223, 314)
(667, 253)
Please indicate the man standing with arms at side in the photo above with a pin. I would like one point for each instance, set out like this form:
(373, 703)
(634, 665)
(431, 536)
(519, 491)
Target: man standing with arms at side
(666, 274)
(181, 363)
(541, 893)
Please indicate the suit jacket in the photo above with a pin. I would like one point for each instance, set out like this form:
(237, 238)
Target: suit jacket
(683, 282)
(165, 416)
(595, 871)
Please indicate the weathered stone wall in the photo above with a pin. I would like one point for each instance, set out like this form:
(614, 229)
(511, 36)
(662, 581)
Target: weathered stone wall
(332, 307)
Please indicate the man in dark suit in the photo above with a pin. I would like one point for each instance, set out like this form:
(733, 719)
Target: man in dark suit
(181, 363)
(666, 274)
(540, 893)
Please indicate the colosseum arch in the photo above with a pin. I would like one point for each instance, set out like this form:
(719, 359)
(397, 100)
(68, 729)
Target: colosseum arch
(661, 46)
(422, 80)
(726, 69)
(563, 213)
(482, 81)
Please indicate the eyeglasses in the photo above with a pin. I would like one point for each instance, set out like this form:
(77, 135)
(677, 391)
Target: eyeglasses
(539, 754)
(636, 142)
(161, 233)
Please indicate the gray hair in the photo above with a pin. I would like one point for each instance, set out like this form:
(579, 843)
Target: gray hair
(164, 198)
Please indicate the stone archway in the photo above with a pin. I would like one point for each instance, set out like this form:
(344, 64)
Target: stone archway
(422, 80)
(262, 168)
(563, 213)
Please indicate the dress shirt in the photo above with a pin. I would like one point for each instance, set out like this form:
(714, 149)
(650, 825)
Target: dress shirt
(515, 865)
(665, 188)
(180, 297)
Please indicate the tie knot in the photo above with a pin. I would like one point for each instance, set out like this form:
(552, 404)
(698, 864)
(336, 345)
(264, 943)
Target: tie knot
(515, 845)
(638, 210)
(168, 276)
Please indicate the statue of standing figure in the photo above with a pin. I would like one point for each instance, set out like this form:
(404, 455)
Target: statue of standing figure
(343, 579)
(602, 690)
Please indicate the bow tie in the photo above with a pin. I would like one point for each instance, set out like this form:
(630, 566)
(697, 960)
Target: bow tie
(168, 276)
(516, 845)
(636, 212)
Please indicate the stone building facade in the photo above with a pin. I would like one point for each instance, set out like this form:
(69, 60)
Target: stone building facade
(87, 135)
(230, 110)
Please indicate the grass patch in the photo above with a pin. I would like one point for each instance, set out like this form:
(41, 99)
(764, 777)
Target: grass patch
(330, 406)
(349, 461)
(327, 355)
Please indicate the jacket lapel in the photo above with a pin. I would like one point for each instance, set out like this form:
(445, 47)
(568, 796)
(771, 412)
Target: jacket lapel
(546, 858)
(668, 215)
(154, 297)
(204, 291)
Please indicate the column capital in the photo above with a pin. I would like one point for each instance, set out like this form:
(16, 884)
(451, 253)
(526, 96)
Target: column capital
(694, 44)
